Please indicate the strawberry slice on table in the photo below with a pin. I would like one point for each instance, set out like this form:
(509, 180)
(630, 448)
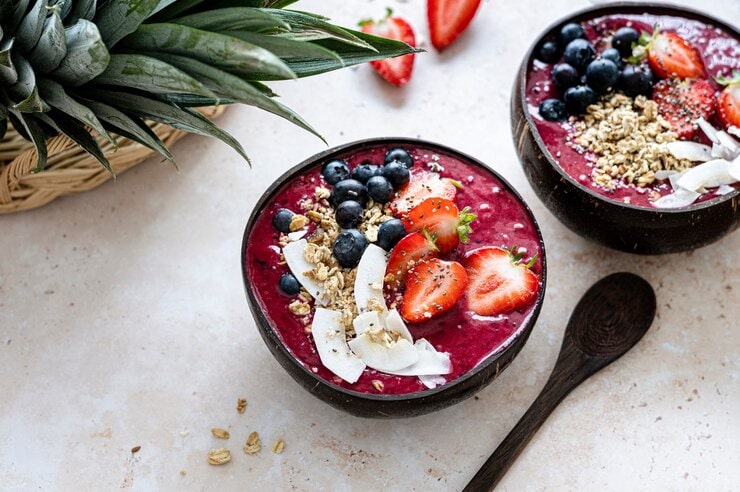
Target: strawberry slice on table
(397, 70)
(671, 56)
(728, 101)
(498, 282)
(411, 249)
(441, 218)
(422, 185)
(432, 287)
(448, 19)
(682, 102)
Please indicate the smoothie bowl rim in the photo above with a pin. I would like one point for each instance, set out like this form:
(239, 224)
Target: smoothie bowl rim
(270, 335)
(587, 13)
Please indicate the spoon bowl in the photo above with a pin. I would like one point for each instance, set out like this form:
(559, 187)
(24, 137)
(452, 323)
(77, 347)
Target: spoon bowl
(611, 317)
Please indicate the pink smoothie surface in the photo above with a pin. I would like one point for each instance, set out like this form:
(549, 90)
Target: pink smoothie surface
(469, 339)
(719, 49)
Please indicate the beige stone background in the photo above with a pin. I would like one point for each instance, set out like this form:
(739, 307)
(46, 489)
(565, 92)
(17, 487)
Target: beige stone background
(123, 320)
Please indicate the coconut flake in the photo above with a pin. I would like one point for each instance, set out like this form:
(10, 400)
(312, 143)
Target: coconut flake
(296, 235)
(709, 174)
(367, 321)
(370, 277)
(329, 335)
(728, 142)
(430, 363)
(394, 322)
(679, 198)
(432, 382)
(664, 174)
(724, 189)
(693, 151)
(719, 151)
(733, 130)
(293, 253)
(384, 357)
(734, 168)
(708, 130)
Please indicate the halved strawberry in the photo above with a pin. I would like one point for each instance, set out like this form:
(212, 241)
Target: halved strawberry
(422, 185)
(671, 56)
(681, 103)
(397, 70)
(441, 218)
(432, 287)
(728, 101)
(448, 19)
(410, 250)
(498, 283)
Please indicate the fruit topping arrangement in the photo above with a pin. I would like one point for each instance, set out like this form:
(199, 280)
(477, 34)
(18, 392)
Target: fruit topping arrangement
(644, 111)
(376, 252)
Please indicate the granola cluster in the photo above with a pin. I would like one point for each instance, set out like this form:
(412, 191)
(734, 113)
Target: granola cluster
(626, 138)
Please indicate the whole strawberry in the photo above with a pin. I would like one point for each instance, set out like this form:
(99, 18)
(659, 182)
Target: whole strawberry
(397, 70)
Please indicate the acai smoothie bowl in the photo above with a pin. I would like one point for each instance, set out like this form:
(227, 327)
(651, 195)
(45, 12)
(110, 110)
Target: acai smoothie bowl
(626, 119)
(393, 277)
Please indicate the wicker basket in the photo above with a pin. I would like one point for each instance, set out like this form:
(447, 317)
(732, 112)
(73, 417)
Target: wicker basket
(69, 169)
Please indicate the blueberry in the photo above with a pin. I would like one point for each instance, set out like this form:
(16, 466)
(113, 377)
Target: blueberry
(365, 171)
(623, 39)
(565, 75)
(579, 53)
(400, 155)
(389, 233)
(578, 98)
(349, 189)
(397, 173)
(636, 80)
(553, 109)
(335, 171)
(549, 52)
(569, 32)
(612, 54)
(349, 214)
(380, 189)
(281, 220)
(348, 247)
(602, 75)
(289, 284)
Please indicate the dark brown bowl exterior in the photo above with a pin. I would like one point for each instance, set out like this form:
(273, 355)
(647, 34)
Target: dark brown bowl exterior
(617, 225)
(373, 405)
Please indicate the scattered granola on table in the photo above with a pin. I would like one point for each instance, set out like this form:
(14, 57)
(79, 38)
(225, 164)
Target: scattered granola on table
(241, 405)
(278, 447)
(219, 456)
(220, 433)
(253, 444)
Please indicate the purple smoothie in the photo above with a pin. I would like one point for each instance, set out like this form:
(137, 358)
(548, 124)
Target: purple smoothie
(469, 339)
(720, 52)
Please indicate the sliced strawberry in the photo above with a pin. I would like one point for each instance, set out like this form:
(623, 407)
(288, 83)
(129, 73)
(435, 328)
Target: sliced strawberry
(441, 218)
(728, 101)
(671, 56)
(432, 287)
(410, 250)
(397, 70)
(681, 103)
(497, 282)
(422, 185)
(448, 19)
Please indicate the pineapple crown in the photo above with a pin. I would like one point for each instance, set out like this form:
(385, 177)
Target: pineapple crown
(86, 67)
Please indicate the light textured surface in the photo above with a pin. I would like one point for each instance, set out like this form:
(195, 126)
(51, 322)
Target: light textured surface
(123, 320)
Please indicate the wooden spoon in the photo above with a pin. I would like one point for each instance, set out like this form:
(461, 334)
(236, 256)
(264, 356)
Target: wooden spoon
(610, 319)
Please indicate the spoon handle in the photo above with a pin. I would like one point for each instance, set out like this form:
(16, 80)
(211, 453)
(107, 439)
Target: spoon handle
(572, 368)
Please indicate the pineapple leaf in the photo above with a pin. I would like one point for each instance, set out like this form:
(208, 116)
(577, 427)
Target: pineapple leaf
(169, 9)
(170, 114)
(64, 7)
(131, 128)
(3, 127)
(119, 18)
(233, 19)
(232, 87)
(190, 101)
(29, 30)
(21, 6)
(150, 75)
(226, 52)
(278, 4)
(78, 134)
(81, 9)
(24, 91)
(51, 47)
(307, 27)
(57, 98)
(288, 49)
(26, 123)
(6, 8)
(8, 73)
(87, 56)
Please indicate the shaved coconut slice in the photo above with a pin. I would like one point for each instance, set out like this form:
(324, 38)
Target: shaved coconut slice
(719, 151)
(673, 178)
(733, 130)
(295, 236)
(366, 321)
(328, 333)
(370, 276)
(432, 382)
(682, 149)
(394, 322)
(734, 168)
(293, 253)
(384, 356)
(679, 198)
(710, 174)
(708, 130)
(727, 141)
(430, 363)
(664, 174)
(724, 189)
